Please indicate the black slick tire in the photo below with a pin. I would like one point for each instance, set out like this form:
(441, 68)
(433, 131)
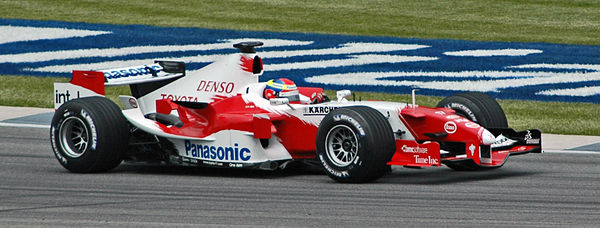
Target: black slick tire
(480, 108)
(354, 144)
(89, 135)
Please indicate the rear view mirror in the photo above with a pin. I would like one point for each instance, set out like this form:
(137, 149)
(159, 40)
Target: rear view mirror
(342, 94)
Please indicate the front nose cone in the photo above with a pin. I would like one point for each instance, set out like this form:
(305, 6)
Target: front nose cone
(487, 138)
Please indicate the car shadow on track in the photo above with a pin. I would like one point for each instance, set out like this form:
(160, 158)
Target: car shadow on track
(292, 169)
(444, 175)
(399, 175)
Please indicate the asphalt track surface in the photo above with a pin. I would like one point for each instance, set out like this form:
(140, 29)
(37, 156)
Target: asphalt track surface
(549, 190)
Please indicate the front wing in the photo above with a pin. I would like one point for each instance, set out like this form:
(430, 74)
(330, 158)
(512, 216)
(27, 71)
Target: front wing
(508, 142)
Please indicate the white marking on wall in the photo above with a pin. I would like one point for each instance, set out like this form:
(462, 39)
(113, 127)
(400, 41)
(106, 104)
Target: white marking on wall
(557, 66)
(352, 61)
(18, 33)
(492, 85)
(496, 52)
(577, 92)
(349, 48)
(113, 52)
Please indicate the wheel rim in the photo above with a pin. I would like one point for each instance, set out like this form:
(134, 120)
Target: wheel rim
(342, 145)
(74, 137)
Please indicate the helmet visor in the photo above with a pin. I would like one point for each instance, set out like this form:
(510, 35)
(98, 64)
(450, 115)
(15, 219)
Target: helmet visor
(292, 96)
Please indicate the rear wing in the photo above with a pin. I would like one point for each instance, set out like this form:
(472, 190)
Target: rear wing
(92, 83)
(160, 70)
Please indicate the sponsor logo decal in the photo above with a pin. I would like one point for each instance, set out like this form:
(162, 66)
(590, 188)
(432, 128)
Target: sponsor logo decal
(221, 153)
(131, 72)
(87, 117)
(529, 139)
(60, 97)
(215, 86)
(61, 159)
(472, 149)
(450, 127)
(64, 92)
(174, 97)
(318, 111)
(464, 109)
(235, 165)
(331, 170)
(355, 123)
(428, 160)
(417, 149)
(411, 153)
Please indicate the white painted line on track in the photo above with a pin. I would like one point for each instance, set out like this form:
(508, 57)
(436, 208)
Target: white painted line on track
(571, 152)
(24, 125)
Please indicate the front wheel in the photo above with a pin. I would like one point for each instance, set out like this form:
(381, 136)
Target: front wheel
(89, 135)
(354, 144)
(477, 107)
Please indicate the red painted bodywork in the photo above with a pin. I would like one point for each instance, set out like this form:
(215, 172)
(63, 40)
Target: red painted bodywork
(298, 137)
(92, 80)
(411, 153)
(234, 113)
(421, 120)
(248, 63)
(451, 128)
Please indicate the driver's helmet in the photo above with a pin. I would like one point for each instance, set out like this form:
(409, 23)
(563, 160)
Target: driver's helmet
(282, 88)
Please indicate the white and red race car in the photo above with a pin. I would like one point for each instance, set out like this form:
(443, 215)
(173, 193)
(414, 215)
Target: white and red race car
(219, 116)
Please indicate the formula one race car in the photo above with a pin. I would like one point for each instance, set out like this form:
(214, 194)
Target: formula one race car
(222, 116)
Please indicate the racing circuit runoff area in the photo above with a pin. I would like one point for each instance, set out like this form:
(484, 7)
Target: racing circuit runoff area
(557, 189)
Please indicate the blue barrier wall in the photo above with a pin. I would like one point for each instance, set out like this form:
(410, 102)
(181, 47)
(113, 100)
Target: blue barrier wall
(530, 71)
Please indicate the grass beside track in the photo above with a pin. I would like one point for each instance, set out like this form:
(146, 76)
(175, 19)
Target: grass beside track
(552, 21)
(550, 117)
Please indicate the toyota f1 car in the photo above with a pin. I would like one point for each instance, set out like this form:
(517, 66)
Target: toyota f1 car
(221, 116)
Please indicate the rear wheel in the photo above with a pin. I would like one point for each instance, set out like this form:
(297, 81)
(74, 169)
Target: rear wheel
(89, 135)
(477, 107)
(354, 144)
